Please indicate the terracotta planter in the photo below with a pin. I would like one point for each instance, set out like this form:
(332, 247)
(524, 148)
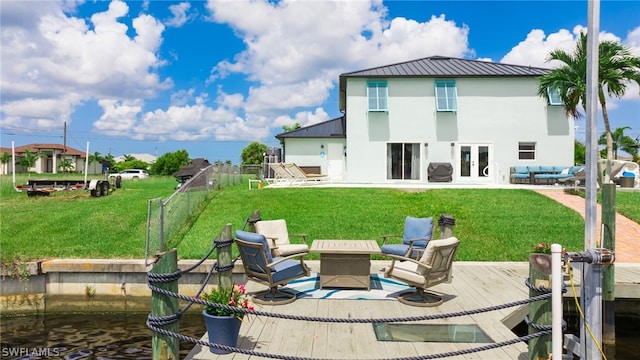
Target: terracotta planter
(222, 330)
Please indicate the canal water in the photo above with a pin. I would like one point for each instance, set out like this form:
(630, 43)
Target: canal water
(86, 336)
(125, 335)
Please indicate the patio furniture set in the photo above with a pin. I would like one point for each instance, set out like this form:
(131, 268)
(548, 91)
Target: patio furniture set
(547, 175)
(270, 259)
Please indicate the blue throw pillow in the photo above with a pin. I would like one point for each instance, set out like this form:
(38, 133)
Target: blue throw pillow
(255, 238)
(418, 228)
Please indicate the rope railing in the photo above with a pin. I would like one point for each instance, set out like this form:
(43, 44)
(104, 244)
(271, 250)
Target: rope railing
(486, 347)
(155, 323)
(349, 320)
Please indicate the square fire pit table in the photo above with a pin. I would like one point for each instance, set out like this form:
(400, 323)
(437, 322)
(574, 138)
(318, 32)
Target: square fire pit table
(345, 263)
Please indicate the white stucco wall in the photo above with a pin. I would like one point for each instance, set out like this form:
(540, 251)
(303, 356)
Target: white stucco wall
(310, 151)
(499, 112)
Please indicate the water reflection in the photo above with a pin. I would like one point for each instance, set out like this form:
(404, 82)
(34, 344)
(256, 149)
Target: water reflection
(86, 336)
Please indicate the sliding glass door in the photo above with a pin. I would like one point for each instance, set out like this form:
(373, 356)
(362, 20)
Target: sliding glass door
(403, 161)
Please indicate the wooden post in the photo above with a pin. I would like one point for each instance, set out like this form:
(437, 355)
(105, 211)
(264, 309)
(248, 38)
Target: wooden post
(225, 277)
(251, 221)
(165, 347)
(540, 311)
(608, 271)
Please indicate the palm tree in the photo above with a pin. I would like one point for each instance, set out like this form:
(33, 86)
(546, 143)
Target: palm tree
(616, 67)
(28, 159)
(620, 141)
(65, 165)
(5, 158)
(96, 157)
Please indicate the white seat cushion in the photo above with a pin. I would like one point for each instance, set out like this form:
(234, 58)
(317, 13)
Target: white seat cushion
(290, 249)
(274, 229)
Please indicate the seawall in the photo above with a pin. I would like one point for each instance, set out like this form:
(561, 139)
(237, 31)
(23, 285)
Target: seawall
(92, 285)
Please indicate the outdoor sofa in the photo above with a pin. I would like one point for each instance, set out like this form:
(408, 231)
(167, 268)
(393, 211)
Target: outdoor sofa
(540, 174)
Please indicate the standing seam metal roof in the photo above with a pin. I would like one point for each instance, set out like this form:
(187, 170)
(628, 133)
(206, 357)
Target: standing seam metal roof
(440, 66)
(331, 128)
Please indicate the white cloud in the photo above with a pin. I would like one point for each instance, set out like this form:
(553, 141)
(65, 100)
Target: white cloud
(182, 97)
(296, 56)
(304, 118)
(118, 116)
(633, 41)
(231, 101)
(534, 50)
(51, 57)
(180, 16)
(54, 61)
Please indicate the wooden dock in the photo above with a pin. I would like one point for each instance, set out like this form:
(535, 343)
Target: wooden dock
(475, 285)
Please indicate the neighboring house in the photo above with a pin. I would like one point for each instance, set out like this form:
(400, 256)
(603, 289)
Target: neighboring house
(188, 171)
(476, 118)
(318, 148)
(50, 156)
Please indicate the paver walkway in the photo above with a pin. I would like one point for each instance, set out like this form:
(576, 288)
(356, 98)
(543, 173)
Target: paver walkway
(627, 231)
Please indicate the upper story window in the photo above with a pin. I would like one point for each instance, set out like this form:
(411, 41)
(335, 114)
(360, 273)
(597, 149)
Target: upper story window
(526, 151)
(377, 94)
(554, 96)
(446, 95)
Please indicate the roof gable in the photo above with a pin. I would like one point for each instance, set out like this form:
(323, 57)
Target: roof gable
(34, 148)
(333, 128)
(193, 168)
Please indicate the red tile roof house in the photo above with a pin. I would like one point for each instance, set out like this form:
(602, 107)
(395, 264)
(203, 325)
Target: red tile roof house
(50, 156)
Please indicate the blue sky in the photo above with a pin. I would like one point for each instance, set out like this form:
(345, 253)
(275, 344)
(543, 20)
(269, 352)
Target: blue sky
(212, 76)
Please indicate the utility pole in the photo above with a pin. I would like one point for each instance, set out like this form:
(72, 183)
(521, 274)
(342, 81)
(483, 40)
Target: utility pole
(591, 298)
(64, 147)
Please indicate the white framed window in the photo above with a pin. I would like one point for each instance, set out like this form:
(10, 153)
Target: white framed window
(526, 151)
(554, 96)
(403, 161)
(377, 95)
(446, 95)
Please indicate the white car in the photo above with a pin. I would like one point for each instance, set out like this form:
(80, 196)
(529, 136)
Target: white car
(131, 174)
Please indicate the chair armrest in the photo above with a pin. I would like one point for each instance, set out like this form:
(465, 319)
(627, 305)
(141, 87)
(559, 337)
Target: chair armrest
(419, 252)
(303, 236)
(395, 258)
(410, 241)
(386, 237)
(273, 241)
(290, 257)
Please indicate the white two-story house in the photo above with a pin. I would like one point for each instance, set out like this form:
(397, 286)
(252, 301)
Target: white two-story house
(473, 119)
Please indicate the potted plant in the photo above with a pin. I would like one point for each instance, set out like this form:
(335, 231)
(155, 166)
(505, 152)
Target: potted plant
(223, 326)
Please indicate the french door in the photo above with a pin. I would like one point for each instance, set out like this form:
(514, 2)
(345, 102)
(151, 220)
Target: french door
(474, 162)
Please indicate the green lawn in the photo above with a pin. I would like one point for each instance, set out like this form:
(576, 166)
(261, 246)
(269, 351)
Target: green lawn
(493, 224)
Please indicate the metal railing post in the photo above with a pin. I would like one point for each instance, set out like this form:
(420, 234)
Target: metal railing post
(556, 301)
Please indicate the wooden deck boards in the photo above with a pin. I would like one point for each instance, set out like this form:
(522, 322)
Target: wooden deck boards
(475, 285)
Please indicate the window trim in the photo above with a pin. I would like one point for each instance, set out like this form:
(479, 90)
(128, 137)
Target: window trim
(532, 151)
(450, 99)
(378, 85)
(553, 94)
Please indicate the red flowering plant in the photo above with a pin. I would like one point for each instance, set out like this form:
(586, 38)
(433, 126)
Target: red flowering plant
(544, 248)
(231, 296)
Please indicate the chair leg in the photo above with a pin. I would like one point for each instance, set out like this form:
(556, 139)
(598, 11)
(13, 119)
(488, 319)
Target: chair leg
(419, 297)
(273, 296)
